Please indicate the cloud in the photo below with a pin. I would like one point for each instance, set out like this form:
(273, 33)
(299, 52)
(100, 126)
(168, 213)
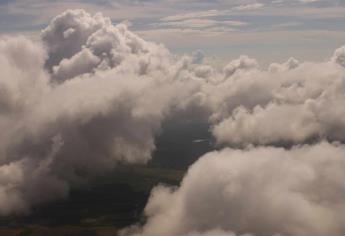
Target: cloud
(290, 64)
(309, 1)
(265, 190)
(201, 23)
(243, 63)
(339, 56)
(192, 15)
(249, 7)
(290, 103)
(190, 23)
(89, 96)
(68, 32)
(96, 95)
(268, 125)
(258, 191)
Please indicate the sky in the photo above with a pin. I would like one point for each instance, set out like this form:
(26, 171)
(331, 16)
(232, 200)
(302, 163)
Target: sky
(269, 30)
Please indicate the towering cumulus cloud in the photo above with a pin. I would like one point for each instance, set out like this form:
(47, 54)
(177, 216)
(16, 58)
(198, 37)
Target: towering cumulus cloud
(90, 95)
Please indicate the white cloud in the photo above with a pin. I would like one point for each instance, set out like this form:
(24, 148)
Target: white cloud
(201, 23)
(258, 191)
(191, 15)
(190, 23)
(243, 63)
(308, 1)
(339, 56)
(101, 104)
(290, 103)
(249, 7)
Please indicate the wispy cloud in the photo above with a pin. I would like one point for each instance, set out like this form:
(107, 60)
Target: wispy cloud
(308, 1)
(249, 7)
(191, 15)
(200, 23)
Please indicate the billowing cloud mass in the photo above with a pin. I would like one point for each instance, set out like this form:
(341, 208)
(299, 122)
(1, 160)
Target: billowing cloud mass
(257, 191)
(91, 94)
(287, 105)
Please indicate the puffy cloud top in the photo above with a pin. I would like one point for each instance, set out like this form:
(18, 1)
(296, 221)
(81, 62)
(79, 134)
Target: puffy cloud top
(90, 96)
(243, 63)
(339, 56)
(68, 32)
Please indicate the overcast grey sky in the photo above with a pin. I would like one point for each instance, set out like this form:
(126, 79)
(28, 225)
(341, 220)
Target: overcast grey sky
(269, 30)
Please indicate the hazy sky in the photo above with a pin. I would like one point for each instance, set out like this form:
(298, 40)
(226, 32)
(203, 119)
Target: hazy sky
(269, 30)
